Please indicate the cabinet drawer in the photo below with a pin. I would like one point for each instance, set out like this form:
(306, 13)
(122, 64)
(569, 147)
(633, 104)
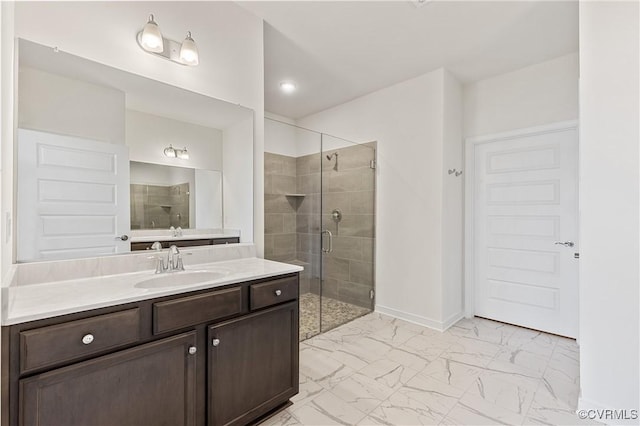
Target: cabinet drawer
(273, 292)
(193, 310)
(55, 344)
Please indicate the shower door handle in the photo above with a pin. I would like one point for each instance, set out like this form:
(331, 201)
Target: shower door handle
(330, 249)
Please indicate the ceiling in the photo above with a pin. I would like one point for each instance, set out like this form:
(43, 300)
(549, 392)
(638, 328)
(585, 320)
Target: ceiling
(338, 51)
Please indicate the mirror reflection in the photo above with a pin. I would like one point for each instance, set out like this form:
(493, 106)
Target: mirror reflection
(107, 159)
(164, 196)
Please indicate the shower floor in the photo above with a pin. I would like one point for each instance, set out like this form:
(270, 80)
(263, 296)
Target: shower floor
(334, 313)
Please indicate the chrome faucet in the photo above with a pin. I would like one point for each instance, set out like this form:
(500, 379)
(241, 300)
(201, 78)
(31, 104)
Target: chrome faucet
(174, 259)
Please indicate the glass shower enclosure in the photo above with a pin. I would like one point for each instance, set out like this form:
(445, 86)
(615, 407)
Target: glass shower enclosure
(320, 214)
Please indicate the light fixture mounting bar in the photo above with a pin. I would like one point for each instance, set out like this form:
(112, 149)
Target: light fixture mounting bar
(171, 50)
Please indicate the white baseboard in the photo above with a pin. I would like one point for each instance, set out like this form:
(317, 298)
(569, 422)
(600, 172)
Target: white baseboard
(420, 320)
(452, 320)
(597, 408)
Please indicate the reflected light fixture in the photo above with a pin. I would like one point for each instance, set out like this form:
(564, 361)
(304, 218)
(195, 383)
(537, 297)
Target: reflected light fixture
(172, 152)
(287, 86)
(150, 39)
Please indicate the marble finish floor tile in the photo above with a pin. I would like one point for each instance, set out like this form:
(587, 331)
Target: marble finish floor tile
(377, 370)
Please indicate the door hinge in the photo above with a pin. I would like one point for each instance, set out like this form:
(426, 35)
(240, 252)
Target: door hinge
(372, 294)
(576, 255)
(372, 164)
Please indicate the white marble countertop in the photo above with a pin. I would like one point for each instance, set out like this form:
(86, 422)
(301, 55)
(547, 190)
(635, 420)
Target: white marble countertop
(22, 303)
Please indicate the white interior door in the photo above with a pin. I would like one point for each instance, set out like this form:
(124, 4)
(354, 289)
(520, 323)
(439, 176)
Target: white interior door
(72, 198)
(525, 190)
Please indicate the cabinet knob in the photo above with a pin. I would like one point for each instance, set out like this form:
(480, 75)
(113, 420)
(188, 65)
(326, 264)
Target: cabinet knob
(215, 342)
(192, 350)
(87, 338)
(278, 292)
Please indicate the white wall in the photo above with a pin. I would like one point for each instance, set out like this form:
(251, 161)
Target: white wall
(280, 138)
(148, 135)
(609, 205)
(452, 201)
(230, 41)
(208, 199)
(407, 121)
(56, 104)
(539, 94)
(7, 127)
(237, 183)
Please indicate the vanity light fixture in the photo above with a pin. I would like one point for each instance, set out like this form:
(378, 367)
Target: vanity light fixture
(172, 152)
(182, 153)
(189, 51)
(288, 86)
(150, 39)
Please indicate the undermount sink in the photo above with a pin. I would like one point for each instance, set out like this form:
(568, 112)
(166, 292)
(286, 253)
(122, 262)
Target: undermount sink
(174, 279)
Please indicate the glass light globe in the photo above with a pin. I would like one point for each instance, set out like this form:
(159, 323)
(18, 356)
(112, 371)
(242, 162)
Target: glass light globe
(151, 39)
(189, 51)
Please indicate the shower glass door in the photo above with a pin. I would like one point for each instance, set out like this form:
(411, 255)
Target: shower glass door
(348, 230)
(319, 214)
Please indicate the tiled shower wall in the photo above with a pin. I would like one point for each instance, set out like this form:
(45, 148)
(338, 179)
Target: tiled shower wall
(280, 212)
(349, 269)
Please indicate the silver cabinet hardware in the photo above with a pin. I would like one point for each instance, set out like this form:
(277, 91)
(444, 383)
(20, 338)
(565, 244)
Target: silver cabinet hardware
(124, 237)
(565, 243)
(192, 350)
(330, 249)
(215, 342)
(278, 292)
(87, 338)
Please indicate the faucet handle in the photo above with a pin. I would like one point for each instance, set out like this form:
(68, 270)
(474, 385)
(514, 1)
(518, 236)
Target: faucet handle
(179, 264)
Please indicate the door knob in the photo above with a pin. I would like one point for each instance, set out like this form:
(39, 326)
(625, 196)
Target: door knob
(124, 237)
(192, 350)
(278, 292)
(565, 243)
(215, 342)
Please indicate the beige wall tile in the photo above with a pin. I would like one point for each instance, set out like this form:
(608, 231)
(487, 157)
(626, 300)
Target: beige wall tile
(284, 243)
(336, 268)
(357, 294)
(347, 247)
(283, 184)
(361, 273)
(273, 223)
(289, 223)
(357, 225)
(274, 203)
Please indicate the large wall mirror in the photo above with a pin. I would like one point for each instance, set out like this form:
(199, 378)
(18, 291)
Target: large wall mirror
(105, 156)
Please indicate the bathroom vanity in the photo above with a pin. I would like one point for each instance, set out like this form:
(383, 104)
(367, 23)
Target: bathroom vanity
(221, 349)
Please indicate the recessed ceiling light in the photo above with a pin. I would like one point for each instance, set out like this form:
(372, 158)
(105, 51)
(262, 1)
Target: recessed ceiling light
(287, 86)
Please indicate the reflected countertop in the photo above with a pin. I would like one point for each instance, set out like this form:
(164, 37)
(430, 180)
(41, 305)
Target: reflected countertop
(22, 303)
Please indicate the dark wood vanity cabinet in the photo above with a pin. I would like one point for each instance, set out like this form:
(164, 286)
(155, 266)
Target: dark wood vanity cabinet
(198, 358)
(136, 246)
(150, 384)
(252, 364)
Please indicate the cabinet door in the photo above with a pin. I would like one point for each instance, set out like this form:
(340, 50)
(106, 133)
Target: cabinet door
(253, 364)
(151, 384)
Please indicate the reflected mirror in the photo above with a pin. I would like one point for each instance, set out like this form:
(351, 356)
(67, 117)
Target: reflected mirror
(105, 157)
(164, 196)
